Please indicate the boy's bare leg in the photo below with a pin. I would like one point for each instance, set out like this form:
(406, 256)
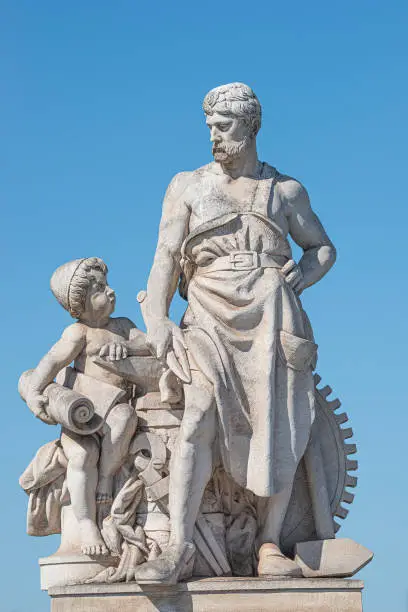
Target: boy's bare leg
(118, 431)
(82, 453)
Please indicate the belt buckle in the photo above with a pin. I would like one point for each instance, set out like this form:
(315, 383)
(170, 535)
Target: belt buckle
(244, 260)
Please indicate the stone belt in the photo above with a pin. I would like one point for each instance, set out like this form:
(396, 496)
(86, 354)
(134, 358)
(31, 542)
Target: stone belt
(243, 261)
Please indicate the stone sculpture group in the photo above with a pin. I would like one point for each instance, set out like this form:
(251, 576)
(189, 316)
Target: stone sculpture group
(205, 448)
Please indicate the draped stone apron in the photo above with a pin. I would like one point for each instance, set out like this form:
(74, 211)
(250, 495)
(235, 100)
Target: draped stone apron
(246, 331)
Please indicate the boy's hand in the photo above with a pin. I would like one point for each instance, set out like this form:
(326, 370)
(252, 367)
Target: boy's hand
(36, 403)
(114, 351)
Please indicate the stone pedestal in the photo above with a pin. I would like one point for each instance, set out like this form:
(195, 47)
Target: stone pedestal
(214, 595)
(61, 570)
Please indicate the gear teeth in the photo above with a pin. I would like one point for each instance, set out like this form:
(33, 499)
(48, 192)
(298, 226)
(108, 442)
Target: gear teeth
(330, 407)
(348, 497)
(325, 391)
(351, 481)
(335, 404)
(341, 418)
(347, 433)
(341, 512)
(351, 465)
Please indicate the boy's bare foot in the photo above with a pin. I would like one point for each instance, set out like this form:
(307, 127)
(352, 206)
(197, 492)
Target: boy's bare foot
(91, 540)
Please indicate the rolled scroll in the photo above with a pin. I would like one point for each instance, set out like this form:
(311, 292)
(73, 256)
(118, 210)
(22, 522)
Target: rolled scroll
(66, 406)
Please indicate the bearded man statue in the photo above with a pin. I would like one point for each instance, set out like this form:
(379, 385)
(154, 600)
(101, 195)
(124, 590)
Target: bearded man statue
(245, 350)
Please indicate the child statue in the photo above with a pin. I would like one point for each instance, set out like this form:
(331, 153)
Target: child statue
(81, 287)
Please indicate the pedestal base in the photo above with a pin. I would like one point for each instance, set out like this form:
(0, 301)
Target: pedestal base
(214, 595)
(63, 569)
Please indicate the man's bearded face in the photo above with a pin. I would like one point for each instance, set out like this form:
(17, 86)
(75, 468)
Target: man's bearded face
(230, 136)
(228, 151)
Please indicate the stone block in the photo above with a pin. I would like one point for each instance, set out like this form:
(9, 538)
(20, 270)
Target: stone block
(63, 569)
(214, 595)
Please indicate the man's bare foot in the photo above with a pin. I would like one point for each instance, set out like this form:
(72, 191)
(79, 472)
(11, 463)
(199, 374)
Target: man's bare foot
(273, 563)
(91, 540)
(169, 567)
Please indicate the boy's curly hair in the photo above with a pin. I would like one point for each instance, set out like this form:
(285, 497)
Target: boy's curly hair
(80, 282)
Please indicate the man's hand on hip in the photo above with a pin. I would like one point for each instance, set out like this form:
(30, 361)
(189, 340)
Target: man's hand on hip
(293, 276)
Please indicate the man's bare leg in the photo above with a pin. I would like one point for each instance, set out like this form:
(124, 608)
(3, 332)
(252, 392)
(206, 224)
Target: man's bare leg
(191, 461)
(271, 514)
(190, 471)
(82, 453)
(118, 431)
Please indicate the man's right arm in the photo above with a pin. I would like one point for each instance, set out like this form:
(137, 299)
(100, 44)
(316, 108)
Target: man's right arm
(166, 269)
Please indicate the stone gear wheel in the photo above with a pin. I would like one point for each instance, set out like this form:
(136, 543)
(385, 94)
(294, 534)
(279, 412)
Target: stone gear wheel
(336, 449)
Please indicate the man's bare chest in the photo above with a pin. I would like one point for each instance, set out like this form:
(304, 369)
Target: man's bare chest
(212, 198)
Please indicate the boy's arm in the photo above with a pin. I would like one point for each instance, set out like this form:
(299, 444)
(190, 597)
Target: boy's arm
(60, 355)
(134, 345)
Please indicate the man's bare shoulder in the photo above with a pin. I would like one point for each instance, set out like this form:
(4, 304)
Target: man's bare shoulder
(203, 170)
(290, 189)
(178, 184)
(183, 180)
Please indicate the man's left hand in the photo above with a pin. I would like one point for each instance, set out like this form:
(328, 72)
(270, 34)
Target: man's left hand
(293, 276)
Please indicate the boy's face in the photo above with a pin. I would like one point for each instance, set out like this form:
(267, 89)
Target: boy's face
(100, 298)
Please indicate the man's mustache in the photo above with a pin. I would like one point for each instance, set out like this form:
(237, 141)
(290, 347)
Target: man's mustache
(230, 148)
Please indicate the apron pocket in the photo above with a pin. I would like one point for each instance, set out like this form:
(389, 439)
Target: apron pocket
(298, 353)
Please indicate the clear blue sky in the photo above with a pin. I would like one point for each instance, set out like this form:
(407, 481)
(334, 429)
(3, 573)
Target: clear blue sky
(101, 104)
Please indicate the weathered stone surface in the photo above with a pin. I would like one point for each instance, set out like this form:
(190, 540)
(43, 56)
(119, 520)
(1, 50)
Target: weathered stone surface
(214, 595)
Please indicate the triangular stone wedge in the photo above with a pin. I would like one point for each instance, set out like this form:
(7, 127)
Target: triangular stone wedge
(340, 557)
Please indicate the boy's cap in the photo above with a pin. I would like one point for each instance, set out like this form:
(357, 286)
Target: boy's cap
(61, 281)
